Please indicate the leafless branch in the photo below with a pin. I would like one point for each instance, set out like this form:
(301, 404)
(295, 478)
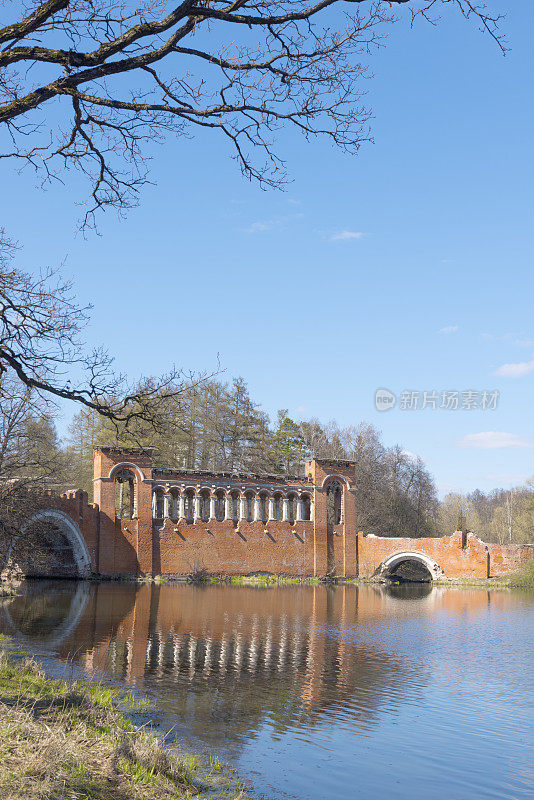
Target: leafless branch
(125, 73)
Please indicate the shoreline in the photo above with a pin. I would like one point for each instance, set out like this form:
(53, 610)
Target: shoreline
(513, 581)
(74, 738)
(518, 581)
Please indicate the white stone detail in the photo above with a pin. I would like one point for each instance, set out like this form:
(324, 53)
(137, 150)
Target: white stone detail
(410, 555)
(68, 527)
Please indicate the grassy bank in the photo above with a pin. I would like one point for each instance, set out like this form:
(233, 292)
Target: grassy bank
(67, 740)
(503, 582)
(523, 578)
(263, 580)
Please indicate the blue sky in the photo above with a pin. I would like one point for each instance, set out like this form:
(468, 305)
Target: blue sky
(408, 267)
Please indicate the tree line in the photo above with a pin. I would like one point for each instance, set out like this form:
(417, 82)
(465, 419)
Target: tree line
(505, 516)
(216, 425)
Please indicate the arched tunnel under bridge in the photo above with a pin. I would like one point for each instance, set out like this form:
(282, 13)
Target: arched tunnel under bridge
(409, 567)
(50, 545)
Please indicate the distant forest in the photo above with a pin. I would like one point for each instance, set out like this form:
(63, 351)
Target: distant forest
(216, 425)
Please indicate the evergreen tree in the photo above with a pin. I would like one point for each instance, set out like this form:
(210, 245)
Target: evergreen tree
(288, 446)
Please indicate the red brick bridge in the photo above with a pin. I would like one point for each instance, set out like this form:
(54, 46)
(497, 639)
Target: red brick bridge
(152, 521)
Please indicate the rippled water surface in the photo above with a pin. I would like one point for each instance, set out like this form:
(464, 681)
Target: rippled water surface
(314, 692)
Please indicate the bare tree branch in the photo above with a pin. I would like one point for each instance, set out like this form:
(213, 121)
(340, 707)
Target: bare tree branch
(128, 73)
(41, 343)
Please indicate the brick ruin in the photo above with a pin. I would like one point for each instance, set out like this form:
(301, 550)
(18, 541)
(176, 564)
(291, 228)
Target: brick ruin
(171, 522)
(174, 522)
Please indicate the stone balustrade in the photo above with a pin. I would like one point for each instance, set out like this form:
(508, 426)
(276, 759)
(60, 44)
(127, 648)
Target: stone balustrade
(208, 504)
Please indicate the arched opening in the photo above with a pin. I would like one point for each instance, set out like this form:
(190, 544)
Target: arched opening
(158, 503)
(292, 508)
(409, 568)
(220, 503)
(334, 516)
(174, 504)
(277, 507)
(50, 545)
(235, 506)
(306, 508)
(334, 495)
(205, 505)
(189, 505)
(409, 571)
(264, 507)
(125, 496)
(249, 497)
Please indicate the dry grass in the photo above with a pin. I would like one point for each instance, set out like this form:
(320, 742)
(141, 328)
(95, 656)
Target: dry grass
(63, 740)
(524, 577)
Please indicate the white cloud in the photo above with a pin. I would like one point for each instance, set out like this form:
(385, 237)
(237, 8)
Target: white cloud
(494, 440)
(280, 223)
(515, 370)
(345, 236)
(448, 329)
(259, 227)
(519, 340)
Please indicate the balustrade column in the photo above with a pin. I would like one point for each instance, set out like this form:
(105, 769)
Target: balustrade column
(133, 500)
(181, 507)
(243, 514)
(121, 499)
(300, 504)
(166, 500)
(213, 507)
(271, 508)
(285, 509)
(197, 504)
(229, 507)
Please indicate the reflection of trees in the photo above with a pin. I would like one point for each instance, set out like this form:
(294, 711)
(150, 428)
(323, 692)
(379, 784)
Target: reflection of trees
(286, 657)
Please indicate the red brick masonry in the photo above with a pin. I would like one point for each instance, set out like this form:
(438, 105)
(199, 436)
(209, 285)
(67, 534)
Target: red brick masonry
(178, 522)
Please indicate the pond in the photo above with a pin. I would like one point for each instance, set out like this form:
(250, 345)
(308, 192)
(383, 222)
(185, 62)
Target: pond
(313, 692)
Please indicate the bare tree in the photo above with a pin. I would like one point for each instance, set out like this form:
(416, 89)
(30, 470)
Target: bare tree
(41, 343)
(31, 459)
(126, 73)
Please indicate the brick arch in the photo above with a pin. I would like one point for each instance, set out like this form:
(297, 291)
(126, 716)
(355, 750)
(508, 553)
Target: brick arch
(392, 561)
(66, 525)
(126, 465)
(335, 476)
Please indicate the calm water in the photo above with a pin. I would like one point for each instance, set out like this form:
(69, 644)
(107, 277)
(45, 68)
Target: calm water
(314, 692)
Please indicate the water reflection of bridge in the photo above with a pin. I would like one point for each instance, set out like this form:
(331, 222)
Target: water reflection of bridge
(224, 659)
